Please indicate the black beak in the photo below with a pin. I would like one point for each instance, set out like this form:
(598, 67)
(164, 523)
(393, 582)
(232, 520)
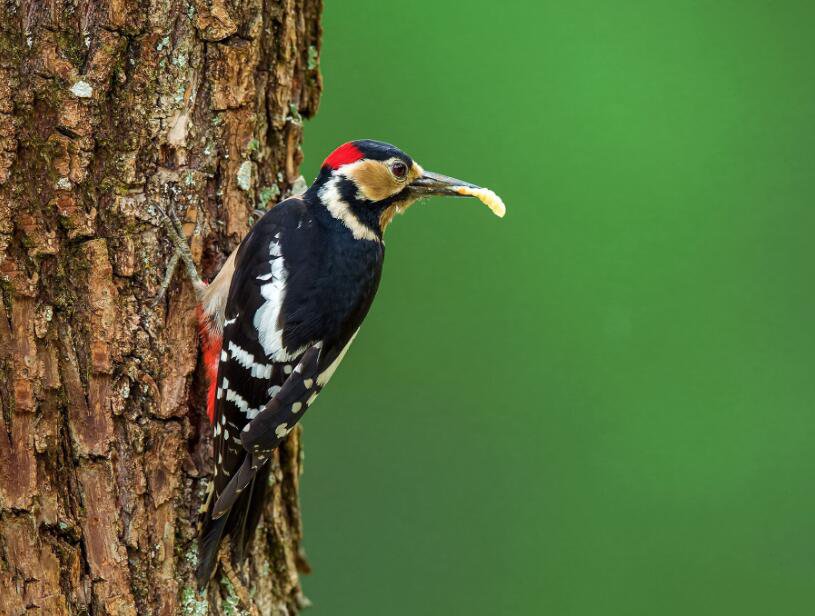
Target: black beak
(436, 184)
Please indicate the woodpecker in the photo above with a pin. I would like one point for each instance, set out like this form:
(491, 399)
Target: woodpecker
(280, 315)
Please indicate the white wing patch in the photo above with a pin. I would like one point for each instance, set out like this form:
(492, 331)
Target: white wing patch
(247, 360)
(236, 399)
(267, 317)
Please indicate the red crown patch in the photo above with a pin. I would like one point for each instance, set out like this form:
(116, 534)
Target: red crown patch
(343, 155)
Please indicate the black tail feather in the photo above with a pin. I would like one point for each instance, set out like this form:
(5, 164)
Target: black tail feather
(236, 487)
(239, 523)
(208, 546)
(251, 510)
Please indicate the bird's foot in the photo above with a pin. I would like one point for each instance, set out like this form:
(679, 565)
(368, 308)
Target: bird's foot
(175, 230)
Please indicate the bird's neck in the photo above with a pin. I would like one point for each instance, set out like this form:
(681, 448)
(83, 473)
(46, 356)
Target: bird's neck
(337, 201)
(348, 273)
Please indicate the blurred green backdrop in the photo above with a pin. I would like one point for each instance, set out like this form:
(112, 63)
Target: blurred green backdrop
(602, 404)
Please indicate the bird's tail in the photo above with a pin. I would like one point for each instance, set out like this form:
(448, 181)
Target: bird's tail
(209, 543)
(238, 523)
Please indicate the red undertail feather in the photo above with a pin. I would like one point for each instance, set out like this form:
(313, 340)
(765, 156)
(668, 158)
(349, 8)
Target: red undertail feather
(343, 155)
(211, 348)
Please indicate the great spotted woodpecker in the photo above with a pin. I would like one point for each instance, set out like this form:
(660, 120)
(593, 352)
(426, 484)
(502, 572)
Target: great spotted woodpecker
(280, 315)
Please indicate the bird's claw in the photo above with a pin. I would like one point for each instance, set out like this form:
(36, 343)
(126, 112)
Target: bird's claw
(175, 230)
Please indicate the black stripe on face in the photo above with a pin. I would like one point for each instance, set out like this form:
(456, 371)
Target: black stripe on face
(366, 212)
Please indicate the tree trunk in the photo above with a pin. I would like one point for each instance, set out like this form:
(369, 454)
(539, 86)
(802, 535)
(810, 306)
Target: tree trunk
(109, 108)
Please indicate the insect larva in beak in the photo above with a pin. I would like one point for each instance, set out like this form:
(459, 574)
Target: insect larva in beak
(486, 196)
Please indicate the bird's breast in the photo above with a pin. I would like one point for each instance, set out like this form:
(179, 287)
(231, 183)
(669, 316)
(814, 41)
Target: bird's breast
(328, 298)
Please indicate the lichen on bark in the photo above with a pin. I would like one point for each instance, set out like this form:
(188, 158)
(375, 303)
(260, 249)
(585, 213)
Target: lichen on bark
(107, 110)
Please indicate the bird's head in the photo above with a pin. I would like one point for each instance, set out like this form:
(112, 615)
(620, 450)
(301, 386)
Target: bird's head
(365, 183)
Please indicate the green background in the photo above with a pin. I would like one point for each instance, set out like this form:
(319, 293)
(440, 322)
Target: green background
(602, 404)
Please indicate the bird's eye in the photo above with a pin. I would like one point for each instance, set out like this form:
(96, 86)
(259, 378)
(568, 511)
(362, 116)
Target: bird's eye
(399, 170)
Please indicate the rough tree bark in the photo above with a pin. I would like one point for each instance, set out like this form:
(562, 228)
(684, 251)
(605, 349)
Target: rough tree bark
(107, 109)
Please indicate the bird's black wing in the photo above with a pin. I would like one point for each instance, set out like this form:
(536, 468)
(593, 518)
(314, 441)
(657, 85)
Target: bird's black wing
(254, 362)
(293, 309)
(267, 430)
